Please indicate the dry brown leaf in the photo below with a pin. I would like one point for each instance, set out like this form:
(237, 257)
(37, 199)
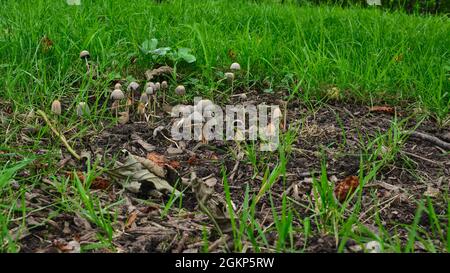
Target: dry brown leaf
(231, 54)
(99, 183)
(382, 109)
(150, 74)
(139, 170)
(162, 161)
(131, 219)
(398, 58)
(346, 187)
(46, 44)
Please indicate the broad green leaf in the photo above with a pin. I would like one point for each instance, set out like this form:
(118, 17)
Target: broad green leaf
(149, 45)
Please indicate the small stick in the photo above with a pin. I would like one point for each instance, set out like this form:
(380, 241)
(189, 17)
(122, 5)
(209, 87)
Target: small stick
(436, 141)
(61, 137)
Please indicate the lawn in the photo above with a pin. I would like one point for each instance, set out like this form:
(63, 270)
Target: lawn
(364, 95)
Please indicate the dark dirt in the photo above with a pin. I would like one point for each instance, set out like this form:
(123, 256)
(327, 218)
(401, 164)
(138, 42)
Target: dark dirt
(336, 133)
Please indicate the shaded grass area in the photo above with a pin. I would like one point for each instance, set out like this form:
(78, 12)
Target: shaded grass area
(374, 55)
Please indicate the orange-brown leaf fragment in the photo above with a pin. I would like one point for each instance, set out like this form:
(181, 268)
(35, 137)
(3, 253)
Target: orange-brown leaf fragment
(131, 219)
(382, 109)
(47, 44)
(346, 187)
(162, 161)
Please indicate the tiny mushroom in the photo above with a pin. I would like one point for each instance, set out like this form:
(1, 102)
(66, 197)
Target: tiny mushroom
(84, 55)
(144, 98)
(118, 86)
(235, 66)
(133, 87)
(157, 86)
(164, 87)
(149, 84)
(117, 95)
(229, 76)
(83, 109)
(56, 107)
(150, 92)
(180, 90)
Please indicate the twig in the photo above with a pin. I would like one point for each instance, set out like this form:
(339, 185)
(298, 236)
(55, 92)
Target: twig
(58, 134)
(234, 171)
(217, 243)
(182, 242)
(436, 141)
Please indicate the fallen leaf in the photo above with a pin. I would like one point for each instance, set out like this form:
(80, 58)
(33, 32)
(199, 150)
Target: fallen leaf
(346, 187)
(398, 58)
(98, 183)
(431, 192)
(162, 161)
(147, 146)
(231, 54)
(373, 247)
(138, 170)
(131, 219)
(193, 160)
(124, 117)
(150, 74)
(212, 203)
(382, 109)
(70, 247)
(46, 43)
(333, 93)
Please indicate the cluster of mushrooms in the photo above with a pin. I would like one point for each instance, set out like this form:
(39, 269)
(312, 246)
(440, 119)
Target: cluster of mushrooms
(146, 101)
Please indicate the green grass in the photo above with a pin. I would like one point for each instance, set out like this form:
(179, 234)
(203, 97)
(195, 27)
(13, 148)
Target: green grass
(354, 49)
(369, 55)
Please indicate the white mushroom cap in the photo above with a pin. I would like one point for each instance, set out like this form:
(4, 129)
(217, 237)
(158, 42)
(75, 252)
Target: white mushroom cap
(150, 84)
(144, 98)
(84, 54)
(229, 76)
(196, 117)
(118, 86)
(164, 85)
(277, 113)
(149, 91)
(235, 66)
(56, 107)
(117, 94)
(180, 90)
(157, 86)
(82, 109)
(133, 86)
(202, 105)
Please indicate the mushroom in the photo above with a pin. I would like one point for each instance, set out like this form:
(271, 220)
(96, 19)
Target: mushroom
(150, 92)
(149, 84)
(235, 66)
(197, 120)
(118, 86)
(229, 76)
(164, 87)
(56, 107)
(144, 98)
(180, 90)
(202, 105)
(83, 109)
(84, 55)
(133, 87)
(117, 95)
(157, 86)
